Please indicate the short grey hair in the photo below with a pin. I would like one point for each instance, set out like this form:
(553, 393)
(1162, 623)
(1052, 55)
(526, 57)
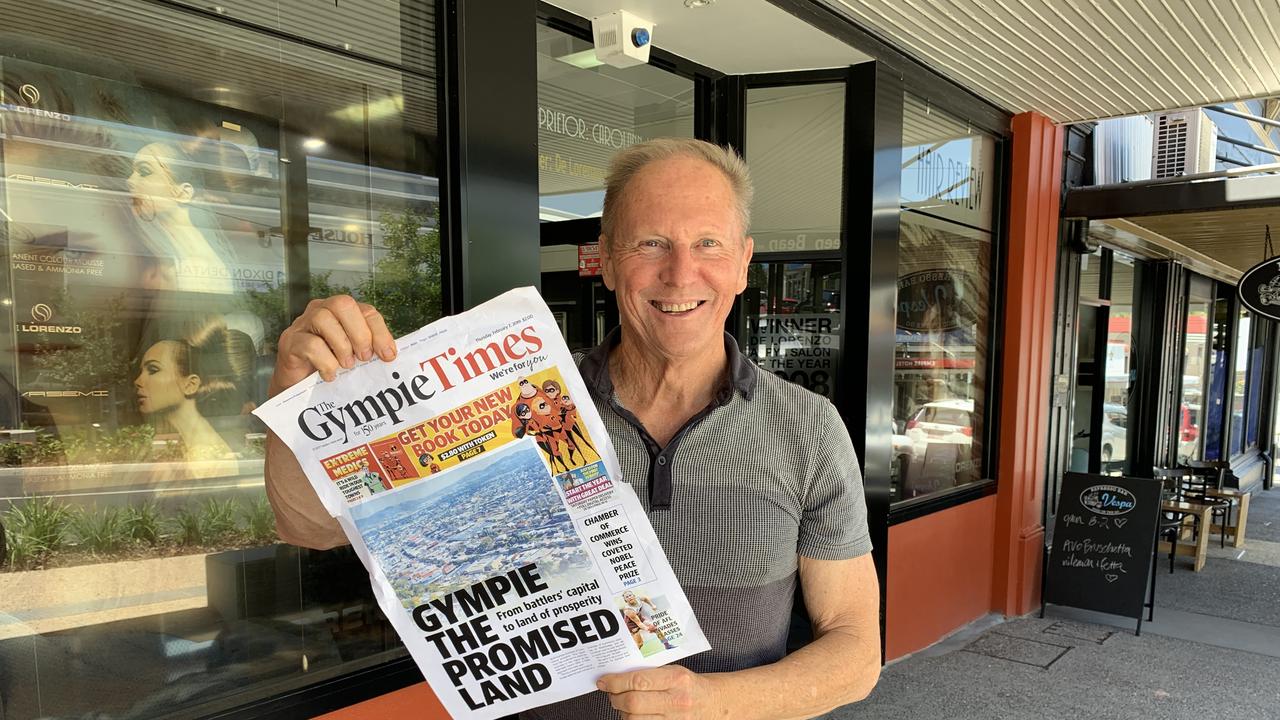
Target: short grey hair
(631, 160)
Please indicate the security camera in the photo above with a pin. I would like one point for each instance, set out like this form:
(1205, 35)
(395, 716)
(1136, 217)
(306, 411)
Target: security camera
(621, 39)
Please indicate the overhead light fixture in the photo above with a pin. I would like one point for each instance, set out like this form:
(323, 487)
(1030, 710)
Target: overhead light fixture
(585, 59)
(378, 109)
(313, 143)
(698, 3)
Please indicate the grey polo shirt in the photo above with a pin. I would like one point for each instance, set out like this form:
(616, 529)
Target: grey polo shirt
(764, 474)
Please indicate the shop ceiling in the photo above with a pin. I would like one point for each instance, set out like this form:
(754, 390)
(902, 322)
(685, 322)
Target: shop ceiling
(732, 36)
(1215, 225)
(1076, 60)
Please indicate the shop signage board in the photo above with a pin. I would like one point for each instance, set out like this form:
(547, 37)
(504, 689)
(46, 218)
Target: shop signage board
(589, 260)
(933, 300)
(1102, 544)
(803, 348)
(1259, 288)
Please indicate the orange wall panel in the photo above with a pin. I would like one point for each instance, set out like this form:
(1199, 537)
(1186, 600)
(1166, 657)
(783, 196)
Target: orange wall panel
(940, 574)
(415, 701)
(1035, 185)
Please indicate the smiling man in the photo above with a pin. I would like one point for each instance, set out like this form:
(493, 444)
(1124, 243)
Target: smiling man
(750, 482)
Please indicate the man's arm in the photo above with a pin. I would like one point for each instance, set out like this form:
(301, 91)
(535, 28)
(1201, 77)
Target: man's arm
(332, 333)
(840, 666)
(300, 518)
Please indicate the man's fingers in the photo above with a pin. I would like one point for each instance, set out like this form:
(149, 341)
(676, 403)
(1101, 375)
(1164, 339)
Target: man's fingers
(380, 336)
(638, 716)
(328, 327)
(351, 314)
(315, 350)
(659, 678)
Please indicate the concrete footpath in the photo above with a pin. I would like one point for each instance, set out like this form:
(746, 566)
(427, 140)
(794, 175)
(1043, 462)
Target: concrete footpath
(1212, 652)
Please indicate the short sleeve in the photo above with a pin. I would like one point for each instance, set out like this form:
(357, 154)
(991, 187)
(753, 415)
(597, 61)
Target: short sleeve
(833, 523)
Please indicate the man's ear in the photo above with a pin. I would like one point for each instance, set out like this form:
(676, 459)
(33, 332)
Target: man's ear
(606, 262)
(748, 249)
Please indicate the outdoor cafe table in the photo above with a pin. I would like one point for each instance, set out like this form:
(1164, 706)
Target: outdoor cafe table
(1236, 530)
(1204, 513)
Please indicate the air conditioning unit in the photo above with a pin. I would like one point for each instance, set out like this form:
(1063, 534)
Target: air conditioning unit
(1185, 143)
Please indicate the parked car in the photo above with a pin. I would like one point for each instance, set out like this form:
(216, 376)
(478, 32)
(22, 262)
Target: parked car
(942, 421)
(1115, 419)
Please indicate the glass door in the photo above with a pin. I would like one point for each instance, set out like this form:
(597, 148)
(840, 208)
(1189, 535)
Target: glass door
(1105, 364)
(793, 321)
(1195, 370)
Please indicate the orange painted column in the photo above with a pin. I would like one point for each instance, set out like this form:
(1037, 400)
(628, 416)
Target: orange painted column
(1034, 199)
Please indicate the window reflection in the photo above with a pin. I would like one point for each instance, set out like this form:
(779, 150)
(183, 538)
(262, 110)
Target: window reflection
(1194, 370)
(940, 356)
(794, 140)
(1118, 366)
(1239, 386)
(163, 217)
(586, 114)
(793, 316)
(944, 272)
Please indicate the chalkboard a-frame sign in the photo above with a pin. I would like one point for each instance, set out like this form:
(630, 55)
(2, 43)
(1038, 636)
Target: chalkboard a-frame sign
(1103, 541)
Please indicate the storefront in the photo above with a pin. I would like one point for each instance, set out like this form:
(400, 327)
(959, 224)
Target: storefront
(180, 180)
(1157, 363)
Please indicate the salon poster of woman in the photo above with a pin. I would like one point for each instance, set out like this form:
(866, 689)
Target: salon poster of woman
(132, 220)
(533, 406)
(139, 228)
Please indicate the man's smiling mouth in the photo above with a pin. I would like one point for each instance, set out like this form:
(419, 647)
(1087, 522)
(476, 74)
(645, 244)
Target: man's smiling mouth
(676, 308)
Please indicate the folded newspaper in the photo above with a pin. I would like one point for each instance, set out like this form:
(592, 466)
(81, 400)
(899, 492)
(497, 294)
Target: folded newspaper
(476, 482)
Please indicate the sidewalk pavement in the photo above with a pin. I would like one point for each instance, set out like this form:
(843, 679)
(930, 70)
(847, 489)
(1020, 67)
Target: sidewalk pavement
(1213, 651)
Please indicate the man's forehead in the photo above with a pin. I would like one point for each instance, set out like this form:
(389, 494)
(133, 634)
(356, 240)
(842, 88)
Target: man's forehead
(680, 195)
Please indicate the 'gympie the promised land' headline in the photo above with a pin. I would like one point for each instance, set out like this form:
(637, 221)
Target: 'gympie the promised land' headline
(476, 481)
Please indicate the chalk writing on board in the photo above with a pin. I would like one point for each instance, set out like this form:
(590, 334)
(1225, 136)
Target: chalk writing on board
(1090, 546)
(1102, 543)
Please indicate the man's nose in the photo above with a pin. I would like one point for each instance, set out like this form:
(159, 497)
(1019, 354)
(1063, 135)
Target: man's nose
(679, 269)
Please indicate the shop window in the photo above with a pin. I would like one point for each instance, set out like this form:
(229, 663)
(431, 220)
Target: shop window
(944, 277)
(1251, 341)
(1239, 384)
(793, 321)
(1253, 386)
(795, 143)
(588, 111)
(175, 187)
(1118, 367)
(1217, 399)
(1190, 427)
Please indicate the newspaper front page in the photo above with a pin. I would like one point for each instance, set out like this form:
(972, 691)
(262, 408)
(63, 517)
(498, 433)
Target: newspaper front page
(478, 485)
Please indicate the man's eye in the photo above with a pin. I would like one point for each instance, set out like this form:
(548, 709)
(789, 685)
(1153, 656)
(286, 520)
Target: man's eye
(708, 242)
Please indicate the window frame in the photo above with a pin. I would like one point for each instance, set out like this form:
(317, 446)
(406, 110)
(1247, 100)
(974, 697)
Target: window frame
(913, 508)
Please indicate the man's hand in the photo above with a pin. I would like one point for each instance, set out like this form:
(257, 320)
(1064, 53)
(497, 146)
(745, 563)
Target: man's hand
(670, 691)
(334, 332)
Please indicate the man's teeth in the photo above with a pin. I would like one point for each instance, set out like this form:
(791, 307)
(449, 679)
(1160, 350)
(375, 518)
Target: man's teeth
(681, 307)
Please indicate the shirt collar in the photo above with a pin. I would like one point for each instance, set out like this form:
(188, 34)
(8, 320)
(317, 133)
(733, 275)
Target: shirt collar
(595, 369)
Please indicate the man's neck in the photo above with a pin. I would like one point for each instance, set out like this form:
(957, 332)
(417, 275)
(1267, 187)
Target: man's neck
(644, 380)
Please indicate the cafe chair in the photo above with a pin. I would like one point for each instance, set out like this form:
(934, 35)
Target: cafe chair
(1170, 523)
(1203, 485)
